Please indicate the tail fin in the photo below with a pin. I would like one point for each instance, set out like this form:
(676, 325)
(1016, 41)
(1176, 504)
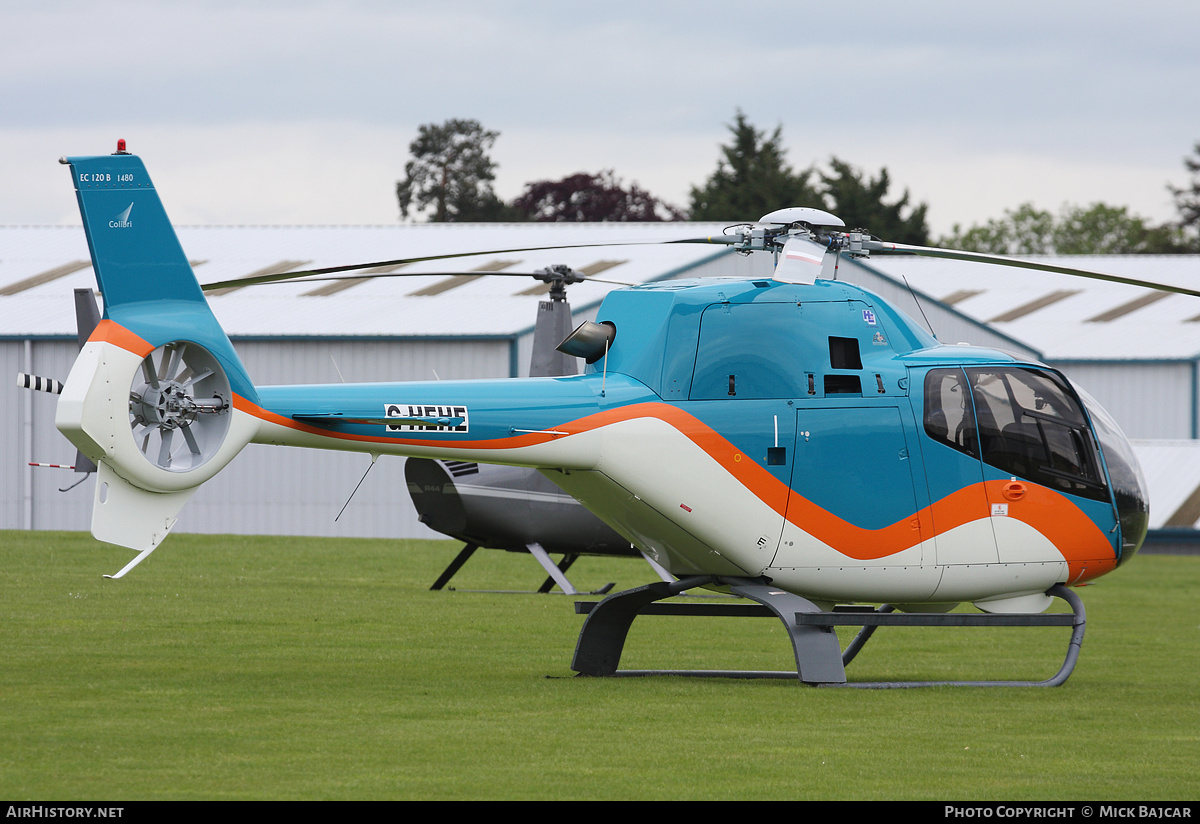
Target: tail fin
(144, 276)
(151, 398)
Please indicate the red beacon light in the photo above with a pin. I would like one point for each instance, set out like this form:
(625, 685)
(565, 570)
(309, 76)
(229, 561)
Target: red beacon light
(121, 146)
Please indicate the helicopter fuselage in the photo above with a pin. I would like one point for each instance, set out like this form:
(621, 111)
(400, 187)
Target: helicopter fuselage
(807, 433)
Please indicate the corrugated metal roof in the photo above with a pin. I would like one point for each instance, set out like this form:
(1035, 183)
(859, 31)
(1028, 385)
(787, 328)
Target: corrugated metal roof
(420, 301)
(1088, 320)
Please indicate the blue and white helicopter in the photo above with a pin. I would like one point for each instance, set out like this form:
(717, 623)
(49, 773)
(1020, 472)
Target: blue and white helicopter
(796, 440)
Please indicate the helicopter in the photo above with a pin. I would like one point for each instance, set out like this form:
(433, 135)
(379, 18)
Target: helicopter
(797, 440)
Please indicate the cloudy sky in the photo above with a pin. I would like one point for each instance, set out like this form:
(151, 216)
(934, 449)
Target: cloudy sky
(302, 111)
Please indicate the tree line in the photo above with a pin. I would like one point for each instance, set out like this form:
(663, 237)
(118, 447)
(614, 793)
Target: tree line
(450, 176)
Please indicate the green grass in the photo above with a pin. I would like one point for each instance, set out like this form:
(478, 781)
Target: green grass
(230, 667)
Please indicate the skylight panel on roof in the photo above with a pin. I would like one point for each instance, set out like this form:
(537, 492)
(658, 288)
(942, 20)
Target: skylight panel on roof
(960, 296)
(458, 280)
(1130, 306)
(1188, 512)
(341, 284)
(1034, 305)
(45, 277)
(274, 269)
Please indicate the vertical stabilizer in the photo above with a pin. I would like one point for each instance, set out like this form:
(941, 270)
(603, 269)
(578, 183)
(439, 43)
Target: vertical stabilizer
(141, 269)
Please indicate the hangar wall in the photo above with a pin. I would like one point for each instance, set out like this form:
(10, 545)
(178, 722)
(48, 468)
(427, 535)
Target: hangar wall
(1150, 400)
(266, 490)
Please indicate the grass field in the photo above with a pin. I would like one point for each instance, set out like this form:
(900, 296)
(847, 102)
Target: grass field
(229, 667)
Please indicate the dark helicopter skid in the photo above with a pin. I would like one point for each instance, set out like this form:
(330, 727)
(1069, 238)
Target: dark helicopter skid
(509, 508)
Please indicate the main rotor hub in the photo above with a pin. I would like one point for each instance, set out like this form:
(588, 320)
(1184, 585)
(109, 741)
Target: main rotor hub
(773, 231)
(558, 276)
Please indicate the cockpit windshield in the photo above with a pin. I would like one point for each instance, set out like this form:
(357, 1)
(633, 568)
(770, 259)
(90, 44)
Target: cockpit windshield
(1025, 423)
(1125, 474)
(1030, 423)
(1030, 426)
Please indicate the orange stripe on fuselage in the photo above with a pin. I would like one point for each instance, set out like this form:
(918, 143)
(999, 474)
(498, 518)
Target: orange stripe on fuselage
(108, 331)
(1082, 543)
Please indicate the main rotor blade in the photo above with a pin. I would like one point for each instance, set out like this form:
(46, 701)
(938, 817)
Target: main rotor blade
(305, 274)
(300, 277)
(980, 257)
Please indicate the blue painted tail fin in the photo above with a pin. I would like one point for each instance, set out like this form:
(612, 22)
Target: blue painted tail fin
(136, 254)
(141, 269)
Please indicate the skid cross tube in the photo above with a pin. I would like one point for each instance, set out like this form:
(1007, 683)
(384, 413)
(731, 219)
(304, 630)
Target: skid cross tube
(819, 660)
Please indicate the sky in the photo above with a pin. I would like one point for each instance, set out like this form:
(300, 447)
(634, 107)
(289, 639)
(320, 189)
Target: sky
(301, 112)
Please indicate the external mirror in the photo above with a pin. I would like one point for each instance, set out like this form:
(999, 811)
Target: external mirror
(589, 341)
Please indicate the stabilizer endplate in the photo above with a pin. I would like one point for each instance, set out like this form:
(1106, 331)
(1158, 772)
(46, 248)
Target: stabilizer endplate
(129, 516)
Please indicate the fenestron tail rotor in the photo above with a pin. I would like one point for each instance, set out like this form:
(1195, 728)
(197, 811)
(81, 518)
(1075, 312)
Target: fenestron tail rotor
(179, 404)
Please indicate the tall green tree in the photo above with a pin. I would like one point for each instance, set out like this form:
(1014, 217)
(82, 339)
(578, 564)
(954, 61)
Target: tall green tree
(1098, 229)
(450, 174)
(1101, 229)
(1025, 230)
(860, 202)
(1187, 201)
(752, 178)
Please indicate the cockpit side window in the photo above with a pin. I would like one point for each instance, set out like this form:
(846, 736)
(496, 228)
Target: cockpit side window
(1031, 426)
(948, 416)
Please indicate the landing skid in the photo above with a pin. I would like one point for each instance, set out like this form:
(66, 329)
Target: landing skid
(556, 572)
(820, 662)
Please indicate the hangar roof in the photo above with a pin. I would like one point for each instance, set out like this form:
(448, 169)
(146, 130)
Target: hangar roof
(1065, 317)
(41, 265)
